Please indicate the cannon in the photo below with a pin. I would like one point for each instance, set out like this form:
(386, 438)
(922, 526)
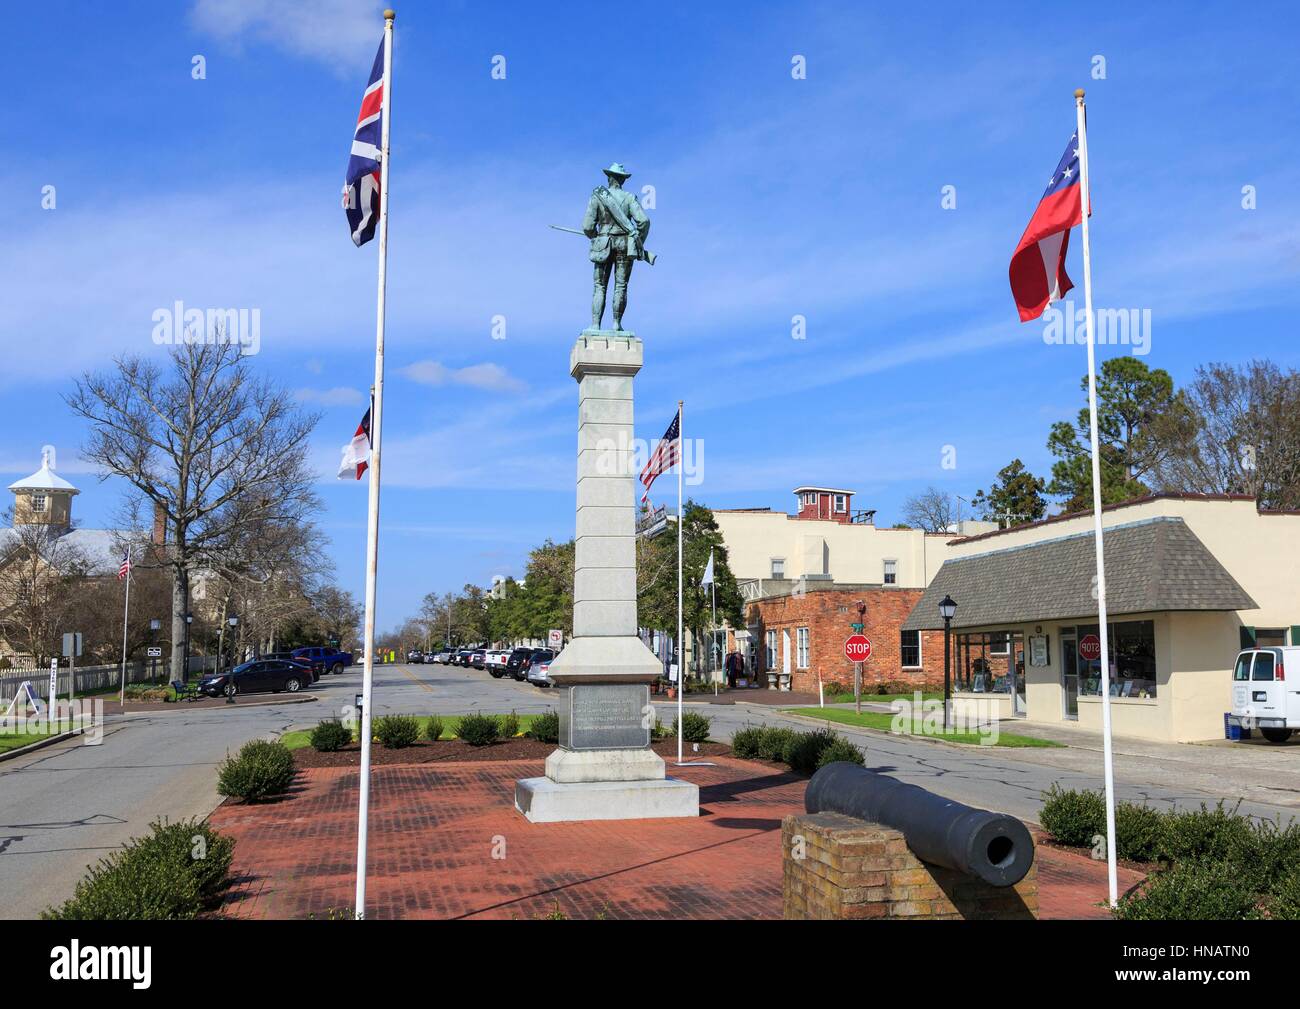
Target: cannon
(991, 846)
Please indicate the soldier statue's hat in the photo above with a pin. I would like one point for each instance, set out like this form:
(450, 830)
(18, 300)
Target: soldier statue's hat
(617, 170)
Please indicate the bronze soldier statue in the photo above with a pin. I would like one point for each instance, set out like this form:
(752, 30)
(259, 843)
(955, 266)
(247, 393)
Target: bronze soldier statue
(617, 227)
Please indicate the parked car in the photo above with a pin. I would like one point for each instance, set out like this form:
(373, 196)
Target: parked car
(258, 676)
(430, 657)
(534, 656)
(516, 658)
(1260, 698)
(463, 656)
(495, 663)
(334, 660)
(478, 658)
(415, 655)
(317, 666)
(539, 672)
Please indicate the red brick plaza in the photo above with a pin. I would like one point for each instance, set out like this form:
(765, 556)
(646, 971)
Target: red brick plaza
(446, 842)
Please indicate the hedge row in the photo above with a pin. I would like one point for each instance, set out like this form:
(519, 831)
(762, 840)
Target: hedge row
(1210, 864)
(805, 752)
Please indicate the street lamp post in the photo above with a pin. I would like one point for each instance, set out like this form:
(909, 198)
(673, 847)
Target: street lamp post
(947, 610)
(185, 667)
(154, 625)
(233, 621)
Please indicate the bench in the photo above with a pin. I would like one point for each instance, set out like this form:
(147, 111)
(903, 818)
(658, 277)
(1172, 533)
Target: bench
(185, 691)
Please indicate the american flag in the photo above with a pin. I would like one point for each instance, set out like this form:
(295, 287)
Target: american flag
(124, 568)
(666, 455)
(361, 187)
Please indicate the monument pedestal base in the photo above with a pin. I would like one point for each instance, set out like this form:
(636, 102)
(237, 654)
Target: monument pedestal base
(542, 800)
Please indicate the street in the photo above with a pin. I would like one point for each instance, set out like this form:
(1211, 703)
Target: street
(65, 806)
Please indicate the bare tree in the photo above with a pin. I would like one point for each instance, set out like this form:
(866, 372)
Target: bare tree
(205, 443)
(931, 510)
(338, 615)
(40, 573)
(1239, 435)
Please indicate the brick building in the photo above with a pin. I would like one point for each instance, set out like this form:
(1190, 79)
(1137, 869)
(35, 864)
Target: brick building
(799, 632)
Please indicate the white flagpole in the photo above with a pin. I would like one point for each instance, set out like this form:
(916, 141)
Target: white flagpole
(376, 424)
(681, 642)
(126, 609)
(1085, 197)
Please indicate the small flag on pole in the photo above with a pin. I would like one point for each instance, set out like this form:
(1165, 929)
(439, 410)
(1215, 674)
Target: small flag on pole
(665, 456)
(361, 187)
(708, 571)
(356, 453)
(124, 568)
(1038, 275)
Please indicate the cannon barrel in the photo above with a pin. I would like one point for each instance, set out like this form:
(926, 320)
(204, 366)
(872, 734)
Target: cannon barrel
(992, 846)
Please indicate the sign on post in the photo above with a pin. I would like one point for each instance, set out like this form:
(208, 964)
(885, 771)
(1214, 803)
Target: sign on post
(54, 684)
(555, 639)
(72, 645)
(153, 652)
(857, 648)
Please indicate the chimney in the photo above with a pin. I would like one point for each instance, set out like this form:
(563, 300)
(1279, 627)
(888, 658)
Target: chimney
(159, 526)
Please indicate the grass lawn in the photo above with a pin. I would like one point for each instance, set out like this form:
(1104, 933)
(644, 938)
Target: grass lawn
(302, 737)
(11, 741)
(877, 698)
(883, 722)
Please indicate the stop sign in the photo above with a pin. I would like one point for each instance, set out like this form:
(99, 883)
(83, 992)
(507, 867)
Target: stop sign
(857, 648)
(1090, 648)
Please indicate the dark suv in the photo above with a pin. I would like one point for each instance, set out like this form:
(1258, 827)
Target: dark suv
(520, 671)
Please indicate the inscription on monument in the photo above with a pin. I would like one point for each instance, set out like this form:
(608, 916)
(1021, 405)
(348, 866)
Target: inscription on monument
(605, 716)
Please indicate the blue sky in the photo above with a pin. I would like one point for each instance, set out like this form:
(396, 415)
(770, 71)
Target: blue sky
(774, 197)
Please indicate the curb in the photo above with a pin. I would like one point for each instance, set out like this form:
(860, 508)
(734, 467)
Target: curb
(964, 747)
(181, 707)
(39, 744)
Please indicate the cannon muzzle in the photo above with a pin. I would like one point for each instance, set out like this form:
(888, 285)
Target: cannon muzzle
(991, 846)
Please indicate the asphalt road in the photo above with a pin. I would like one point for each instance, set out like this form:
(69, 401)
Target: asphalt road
(65, 806)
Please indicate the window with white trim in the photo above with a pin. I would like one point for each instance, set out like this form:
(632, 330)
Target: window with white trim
(891, 573)
(909, 647)
(778, 567)
(841, 502)
(770, 656)
(801, 639)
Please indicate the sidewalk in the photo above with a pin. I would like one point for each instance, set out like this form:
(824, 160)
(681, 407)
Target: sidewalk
(446, 842)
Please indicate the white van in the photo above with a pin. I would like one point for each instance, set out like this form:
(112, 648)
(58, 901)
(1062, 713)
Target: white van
(1262, 696)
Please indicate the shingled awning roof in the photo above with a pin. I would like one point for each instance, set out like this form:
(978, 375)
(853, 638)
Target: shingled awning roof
(1151, 566)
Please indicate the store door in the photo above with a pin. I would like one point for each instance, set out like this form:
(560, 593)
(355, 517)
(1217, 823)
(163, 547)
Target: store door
(1070, 674)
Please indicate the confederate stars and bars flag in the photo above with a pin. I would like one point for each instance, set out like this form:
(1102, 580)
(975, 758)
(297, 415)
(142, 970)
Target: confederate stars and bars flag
(356, 453)
(361, 187)
(1038, 265)
(666, 455)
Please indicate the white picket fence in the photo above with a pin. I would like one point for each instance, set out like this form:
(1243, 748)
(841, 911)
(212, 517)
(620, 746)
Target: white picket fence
(91, 678)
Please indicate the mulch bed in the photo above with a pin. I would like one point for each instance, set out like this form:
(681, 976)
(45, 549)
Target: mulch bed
(522, 748)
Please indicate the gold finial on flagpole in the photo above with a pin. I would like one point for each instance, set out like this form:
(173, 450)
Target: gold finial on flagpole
(1078, 93)
(390, 14)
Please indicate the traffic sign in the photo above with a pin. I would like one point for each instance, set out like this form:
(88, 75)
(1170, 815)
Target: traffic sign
(1090, 648)
(555, 639)
(153, 652)
(857, 648)
(857, 628)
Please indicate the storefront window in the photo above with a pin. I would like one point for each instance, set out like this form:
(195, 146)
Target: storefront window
(984, 662)
(1132, 660)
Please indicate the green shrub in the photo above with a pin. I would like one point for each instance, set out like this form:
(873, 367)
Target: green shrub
(658, 730)
(746, 742)
(509, 726)
(397, 731)
(478, 730)
(695, 727)
(774, 741)
(546, 728)
(840, 749)
(330, 735)
(260, 770)
(1206, 834)
(1073, 817)
(805, 749)
(173, 873)
(149, 692)
(1194, 891)
(1138, 831)
(433, 729)
(1283, 901)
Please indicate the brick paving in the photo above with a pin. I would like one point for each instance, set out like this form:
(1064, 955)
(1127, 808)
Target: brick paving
(438, 833)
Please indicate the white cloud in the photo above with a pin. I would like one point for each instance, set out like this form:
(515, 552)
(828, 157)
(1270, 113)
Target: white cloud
(478, 376)
(338, 396)
(339, 33)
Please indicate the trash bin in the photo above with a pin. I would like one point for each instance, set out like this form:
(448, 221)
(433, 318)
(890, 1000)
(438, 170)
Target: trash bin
(1233, 729)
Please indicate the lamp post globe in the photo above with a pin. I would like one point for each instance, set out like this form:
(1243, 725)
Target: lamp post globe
(947, 610)
(232, 621)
